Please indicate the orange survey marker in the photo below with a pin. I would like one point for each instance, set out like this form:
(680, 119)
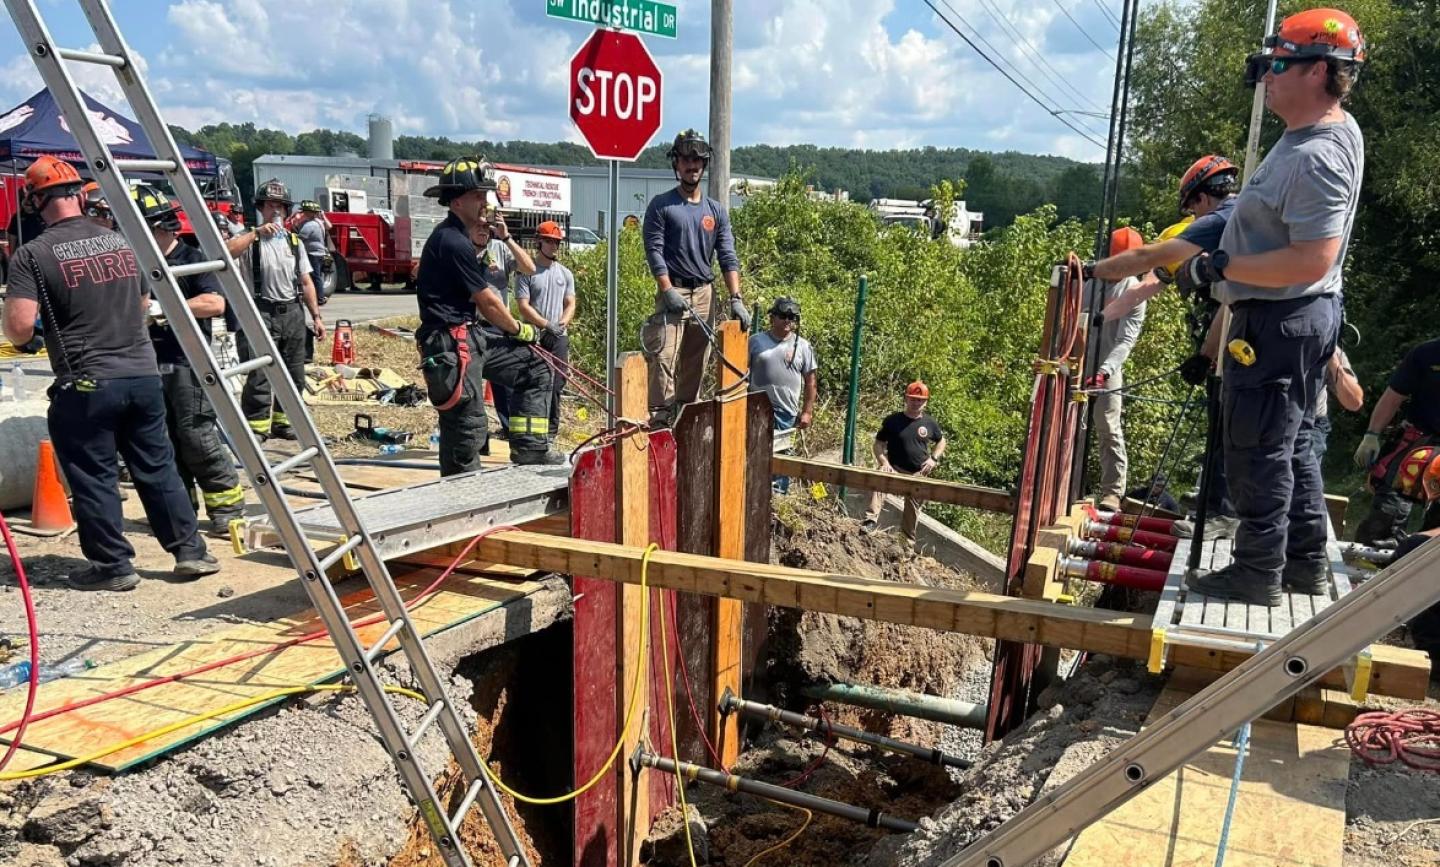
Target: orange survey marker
(49, 510)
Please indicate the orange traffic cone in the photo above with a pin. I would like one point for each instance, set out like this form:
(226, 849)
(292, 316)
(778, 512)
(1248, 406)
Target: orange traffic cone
(49, 510)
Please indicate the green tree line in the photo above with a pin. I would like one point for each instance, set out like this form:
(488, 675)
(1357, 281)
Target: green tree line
(1002, 185)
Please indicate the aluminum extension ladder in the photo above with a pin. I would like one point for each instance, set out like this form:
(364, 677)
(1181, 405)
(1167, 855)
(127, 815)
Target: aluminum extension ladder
(1306, 654)
(160, 279)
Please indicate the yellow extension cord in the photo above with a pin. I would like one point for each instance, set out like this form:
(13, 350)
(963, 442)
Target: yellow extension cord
(640, 666)
(674, 737)
(190, 721)
(795, 835)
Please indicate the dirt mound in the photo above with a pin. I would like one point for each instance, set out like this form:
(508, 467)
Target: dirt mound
(805, 647)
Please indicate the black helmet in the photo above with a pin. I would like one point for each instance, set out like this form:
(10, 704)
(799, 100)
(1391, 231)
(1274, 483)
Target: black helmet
(787, 307)
(273, 191)
(156, 208)
(311, 206)
(689, 143)
(461, 176)
(222, 222)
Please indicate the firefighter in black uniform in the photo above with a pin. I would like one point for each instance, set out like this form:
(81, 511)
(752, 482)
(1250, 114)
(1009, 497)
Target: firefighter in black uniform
(200, 455)
(467, 334)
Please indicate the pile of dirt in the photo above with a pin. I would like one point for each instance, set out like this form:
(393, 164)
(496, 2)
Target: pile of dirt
(807, 648)
(1101, 706)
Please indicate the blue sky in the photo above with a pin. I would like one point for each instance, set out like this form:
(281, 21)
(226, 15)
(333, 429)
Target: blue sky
(877, 74)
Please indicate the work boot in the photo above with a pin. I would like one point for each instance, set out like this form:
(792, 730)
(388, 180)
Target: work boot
(1311, 577)
(282, 432)
(537, 457)
(189, 570)
(89, 579)
(1218, 527)
(220, 523)
(1109, 503)
(1230, 583)
(868, 526)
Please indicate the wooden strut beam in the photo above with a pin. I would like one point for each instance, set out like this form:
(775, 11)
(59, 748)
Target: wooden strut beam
(632, 527)
(933, 490)
(730, 422)
(1397, 671)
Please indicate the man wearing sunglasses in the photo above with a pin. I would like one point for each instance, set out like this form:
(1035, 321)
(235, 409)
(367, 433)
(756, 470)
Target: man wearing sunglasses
(783, 365)
(1278, 268)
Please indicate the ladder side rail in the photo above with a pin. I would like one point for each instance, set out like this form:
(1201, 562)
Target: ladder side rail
(1284, 668)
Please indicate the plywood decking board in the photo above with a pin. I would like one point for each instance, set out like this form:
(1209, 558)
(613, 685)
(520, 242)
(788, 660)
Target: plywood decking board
(87, 730)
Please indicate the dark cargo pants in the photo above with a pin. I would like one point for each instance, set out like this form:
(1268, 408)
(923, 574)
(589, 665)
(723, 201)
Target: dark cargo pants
(201, 456)
(286, 323)
(464, 428)
(1269, 414)
(88, 428)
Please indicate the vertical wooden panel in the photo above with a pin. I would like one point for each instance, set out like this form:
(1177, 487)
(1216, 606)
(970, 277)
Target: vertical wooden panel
(695, 523)
(592, 516)
(730, 527)
(632, 527)
(759, 445)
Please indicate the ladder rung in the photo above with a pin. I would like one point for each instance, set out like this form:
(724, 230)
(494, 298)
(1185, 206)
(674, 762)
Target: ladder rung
(292, 462)
(425, 722)
(145, 165)
(246, 366)
(340, 551)
(199, 268)
(92, 57)
(379, 647)
(469, 799)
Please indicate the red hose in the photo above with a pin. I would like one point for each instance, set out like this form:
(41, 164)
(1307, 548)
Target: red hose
(34, 684)
(239, 657)
(1144, 538)
(1139, 522)
(1411, 737)
(1113, 573)
(1126, 555)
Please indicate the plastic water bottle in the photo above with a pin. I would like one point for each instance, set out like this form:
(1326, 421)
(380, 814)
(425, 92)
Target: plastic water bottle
(17, 381)
(435, 438)
(14, 675)
(391, 449)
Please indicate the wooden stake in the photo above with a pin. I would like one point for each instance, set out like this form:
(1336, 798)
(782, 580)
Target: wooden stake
(729, 528)
(632, 517)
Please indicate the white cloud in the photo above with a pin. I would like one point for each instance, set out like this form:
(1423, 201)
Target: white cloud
(870, 73)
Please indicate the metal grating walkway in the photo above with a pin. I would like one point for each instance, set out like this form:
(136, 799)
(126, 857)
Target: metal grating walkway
(417, 517)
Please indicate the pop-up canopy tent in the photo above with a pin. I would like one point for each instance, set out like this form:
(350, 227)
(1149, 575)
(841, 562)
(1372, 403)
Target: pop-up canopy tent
(36, 128)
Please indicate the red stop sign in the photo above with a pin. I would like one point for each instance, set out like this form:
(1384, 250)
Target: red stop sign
(615, 94)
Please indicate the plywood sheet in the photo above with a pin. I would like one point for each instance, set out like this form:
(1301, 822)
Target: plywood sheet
(87, 730)
(1290, 809)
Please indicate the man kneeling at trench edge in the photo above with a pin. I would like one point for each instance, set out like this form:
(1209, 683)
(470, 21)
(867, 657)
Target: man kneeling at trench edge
(456, 355)
(1279, 270)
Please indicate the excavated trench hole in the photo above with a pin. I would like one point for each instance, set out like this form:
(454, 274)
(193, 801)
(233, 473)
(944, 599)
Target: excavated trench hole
(523, 699)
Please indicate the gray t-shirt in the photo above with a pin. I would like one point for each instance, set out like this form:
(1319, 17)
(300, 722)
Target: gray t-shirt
(499, 266)
(779, 368)
(312, 235)
(546, 289)
(278, 268)
(1306, 189)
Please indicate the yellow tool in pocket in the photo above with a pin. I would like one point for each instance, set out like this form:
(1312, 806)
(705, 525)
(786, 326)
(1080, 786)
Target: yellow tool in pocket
(1241, 351)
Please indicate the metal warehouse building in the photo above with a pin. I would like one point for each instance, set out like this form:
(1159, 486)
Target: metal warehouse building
(589, 185)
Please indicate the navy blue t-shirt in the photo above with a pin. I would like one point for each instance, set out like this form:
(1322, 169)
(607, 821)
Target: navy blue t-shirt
(450, 276)
(167, 346)
(1205, 232)
(1418, 378)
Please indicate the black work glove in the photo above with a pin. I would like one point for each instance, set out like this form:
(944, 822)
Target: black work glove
(739, 312)
(1087, 270)
(550, 336)
(1201, 271)
(671, 301)
(1196, 368)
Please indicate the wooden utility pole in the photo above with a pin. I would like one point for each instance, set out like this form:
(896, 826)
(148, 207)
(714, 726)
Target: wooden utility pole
(721, 33)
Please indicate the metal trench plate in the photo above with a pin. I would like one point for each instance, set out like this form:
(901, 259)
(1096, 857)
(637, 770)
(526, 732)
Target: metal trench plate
(418, 517)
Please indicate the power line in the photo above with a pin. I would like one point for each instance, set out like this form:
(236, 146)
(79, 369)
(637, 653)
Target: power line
(1028, 47)
(1109, 16)
(1083, 31)
(1048, 110)
(1013, 66)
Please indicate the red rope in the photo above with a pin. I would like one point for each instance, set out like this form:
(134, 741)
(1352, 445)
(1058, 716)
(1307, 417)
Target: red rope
(1411, 737)
(33, 685)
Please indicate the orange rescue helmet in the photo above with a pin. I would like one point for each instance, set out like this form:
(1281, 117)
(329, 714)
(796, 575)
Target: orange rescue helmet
(1410, 475)
(918, 389)
(549, 230)
(1328, 33)
(1123, 239)
(1431, 482)
(47, 173)
(1200, 174)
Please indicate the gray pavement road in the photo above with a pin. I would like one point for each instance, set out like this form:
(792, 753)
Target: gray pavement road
(366, 306)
